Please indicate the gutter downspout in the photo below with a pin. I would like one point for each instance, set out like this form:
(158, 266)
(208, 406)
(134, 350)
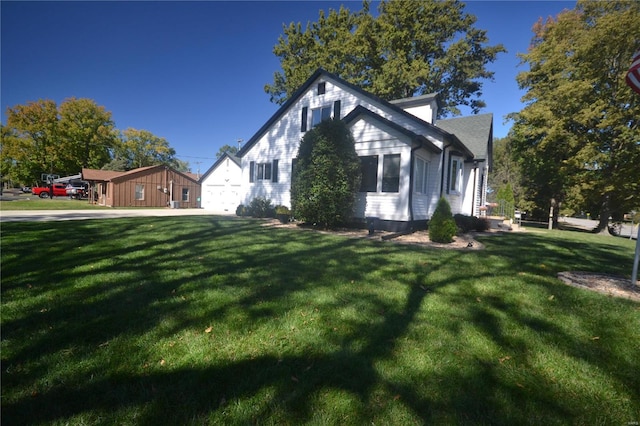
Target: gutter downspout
(475, 180)
(444, 162)
(411, 166)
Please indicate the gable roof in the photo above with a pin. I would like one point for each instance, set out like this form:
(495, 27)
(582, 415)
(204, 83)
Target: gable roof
(474, 131)
(415, 100)
(360, 110)
(113, 175)
(99, 175)
(219, 161)
(321, 72)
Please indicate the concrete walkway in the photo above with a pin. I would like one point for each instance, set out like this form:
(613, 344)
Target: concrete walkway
(55, 215)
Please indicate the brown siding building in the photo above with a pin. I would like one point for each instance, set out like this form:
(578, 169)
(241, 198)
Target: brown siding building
(153, 186)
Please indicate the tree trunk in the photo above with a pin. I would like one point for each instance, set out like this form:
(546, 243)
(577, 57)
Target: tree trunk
(605, 211)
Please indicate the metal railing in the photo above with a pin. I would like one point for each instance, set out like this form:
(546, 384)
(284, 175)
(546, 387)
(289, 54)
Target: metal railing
(505, 209)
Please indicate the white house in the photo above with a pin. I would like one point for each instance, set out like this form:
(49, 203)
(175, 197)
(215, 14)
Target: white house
(409, 159)
(220, 185)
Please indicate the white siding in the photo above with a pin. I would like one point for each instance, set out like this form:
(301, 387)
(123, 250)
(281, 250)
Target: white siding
(425, 204)
(281, 141)
(221, 188)
(376, 139)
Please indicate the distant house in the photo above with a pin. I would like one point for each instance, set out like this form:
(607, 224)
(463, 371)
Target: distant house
(408, 158)
(153, 186)
(221, 184)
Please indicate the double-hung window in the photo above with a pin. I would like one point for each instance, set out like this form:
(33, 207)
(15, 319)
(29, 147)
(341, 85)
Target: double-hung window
(263, 171)
(318, 115)
(455, 175)
(139, 195)
(185, 194)
(420, 175)
(391, 173)
(369, 169)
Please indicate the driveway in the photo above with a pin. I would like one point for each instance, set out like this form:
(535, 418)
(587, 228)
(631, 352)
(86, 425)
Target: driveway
(49, 215)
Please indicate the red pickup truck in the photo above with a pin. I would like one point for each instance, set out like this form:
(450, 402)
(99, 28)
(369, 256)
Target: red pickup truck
(59, 190)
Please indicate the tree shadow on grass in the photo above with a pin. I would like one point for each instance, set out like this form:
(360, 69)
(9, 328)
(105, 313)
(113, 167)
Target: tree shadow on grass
(288, 387)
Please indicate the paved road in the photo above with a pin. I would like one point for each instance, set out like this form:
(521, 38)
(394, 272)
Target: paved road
(48, 215)
(591, 224)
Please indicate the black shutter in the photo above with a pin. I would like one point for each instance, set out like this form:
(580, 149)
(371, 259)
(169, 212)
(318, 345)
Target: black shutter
(252, 171)
(336, 110)
(274, 171)
(303, 126)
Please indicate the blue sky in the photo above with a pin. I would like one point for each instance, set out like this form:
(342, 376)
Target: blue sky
(194, 72)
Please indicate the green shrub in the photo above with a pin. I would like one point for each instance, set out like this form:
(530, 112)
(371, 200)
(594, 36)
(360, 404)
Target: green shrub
(327, 175)
(261, 207)
(442, 226)
(282, 210)
(470, 223)
(241, 210)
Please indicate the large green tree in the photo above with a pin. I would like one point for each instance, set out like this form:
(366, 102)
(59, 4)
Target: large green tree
(227, 149)
(506, 171)
(410, 48)
(30, 141)
(42, 137)
(88, 133)
(578, 136)
(327, 175)
(141, 148)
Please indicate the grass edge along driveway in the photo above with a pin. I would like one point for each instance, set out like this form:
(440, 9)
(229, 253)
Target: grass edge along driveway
(206, 320)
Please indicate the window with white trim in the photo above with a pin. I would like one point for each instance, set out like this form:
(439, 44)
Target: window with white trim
(318, 115)
(369, 170)
(185, 194)
(391, 173)
(139, 192)
(263, 171)
(455, 175)
(420, 175)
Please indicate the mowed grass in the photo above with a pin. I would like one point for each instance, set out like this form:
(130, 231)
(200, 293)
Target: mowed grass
(33, 202)
(209, 320)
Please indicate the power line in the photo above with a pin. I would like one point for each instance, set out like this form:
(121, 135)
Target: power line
(189, 156)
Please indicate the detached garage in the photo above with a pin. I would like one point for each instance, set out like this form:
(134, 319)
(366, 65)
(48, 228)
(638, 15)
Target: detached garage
(221, 185)
(153, 186)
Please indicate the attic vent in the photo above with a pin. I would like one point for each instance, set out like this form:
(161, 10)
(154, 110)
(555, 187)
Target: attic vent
(321, 88)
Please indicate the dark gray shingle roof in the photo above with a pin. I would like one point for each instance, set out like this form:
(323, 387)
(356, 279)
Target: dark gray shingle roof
(474, 131)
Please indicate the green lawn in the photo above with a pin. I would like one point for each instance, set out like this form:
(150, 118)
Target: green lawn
(33, 202)
(208, 320)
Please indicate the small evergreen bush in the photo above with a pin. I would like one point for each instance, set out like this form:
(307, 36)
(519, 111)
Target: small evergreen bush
(261, 207)
(241, 210)
(442, 226)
